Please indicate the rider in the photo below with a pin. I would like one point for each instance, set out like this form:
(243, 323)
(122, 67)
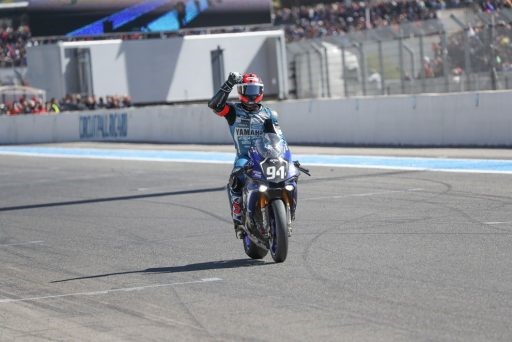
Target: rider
(246, 122)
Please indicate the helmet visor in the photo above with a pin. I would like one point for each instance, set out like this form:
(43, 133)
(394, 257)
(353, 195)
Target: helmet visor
(250, 89)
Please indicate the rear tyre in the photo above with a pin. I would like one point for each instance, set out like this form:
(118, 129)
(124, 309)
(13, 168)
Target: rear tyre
(252, 250)
(278, 231)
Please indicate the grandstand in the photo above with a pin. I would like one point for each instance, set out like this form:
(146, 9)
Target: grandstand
(333, 49)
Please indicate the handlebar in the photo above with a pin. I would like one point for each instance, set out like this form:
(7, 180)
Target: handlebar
(301, 169)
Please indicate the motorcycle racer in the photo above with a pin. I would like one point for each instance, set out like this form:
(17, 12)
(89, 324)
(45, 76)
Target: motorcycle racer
(246, 120)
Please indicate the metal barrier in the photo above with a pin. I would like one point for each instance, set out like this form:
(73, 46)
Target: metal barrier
(468, 52)
(10, 94)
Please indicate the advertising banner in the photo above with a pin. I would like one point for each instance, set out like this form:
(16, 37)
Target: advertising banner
(79, 18)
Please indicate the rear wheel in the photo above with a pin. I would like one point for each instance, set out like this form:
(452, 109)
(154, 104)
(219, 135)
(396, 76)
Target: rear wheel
(252, 250)
(278, 231)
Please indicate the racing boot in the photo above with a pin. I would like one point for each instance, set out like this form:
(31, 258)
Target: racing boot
(236, 213)
(239, 231)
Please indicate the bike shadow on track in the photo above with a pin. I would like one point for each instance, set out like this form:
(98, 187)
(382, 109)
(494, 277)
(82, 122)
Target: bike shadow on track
(111, 199)
(202, 266)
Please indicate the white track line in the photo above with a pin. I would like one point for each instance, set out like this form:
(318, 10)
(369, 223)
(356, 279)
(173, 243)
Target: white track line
(103, 292)
(21, 243)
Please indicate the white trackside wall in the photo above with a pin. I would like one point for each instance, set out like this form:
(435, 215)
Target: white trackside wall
(463, 119)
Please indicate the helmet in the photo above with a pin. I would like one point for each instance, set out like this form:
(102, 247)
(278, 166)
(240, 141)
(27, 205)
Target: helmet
(250, 90)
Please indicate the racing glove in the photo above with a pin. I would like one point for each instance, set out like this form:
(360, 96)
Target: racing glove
(218, 101)
(233, 78)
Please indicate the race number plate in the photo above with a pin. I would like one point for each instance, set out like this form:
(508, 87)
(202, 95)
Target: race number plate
(274, 169)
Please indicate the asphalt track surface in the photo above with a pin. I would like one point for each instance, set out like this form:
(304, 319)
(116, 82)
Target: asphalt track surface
(137, 250)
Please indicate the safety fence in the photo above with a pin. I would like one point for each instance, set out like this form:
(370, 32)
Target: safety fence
(466, 51)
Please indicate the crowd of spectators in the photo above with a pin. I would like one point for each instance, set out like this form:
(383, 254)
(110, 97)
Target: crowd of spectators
(335, 18)
(13, 42)
(493, 5)
(484, 54)
(23, 105)
(72, 102)
(435, 3)
(325, 19)
(300, 20)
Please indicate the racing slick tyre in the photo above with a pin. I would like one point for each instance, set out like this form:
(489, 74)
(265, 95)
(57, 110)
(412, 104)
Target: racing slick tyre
(278, 231)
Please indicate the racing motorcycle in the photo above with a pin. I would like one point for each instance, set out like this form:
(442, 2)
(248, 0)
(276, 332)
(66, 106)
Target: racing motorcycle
(269, 197)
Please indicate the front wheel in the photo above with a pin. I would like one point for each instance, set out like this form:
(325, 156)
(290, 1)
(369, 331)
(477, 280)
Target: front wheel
(252, 250)
(278, 231)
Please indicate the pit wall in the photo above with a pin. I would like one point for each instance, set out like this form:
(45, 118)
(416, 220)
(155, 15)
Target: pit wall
(463, 119)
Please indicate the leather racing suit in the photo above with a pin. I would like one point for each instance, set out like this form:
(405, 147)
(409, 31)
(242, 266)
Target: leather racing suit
(245, 125)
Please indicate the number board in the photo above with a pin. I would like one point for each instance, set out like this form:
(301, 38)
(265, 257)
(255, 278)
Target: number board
(274, 169)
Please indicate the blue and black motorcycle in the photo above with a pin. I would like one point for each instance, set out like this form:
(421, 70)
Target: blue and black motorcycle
(269, 197)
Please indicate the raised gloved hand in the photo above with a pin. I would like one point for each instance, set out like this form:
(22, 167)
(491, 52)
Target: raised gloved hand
(234, 78)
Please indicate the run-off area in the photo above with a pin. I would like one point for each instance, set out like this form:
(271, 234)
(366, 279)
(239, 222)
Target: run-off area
(138, 250)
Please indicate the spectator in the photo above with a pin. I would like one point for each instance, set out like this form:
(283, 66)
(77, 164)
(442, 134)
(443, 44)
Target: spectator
(101, 103)
(53, 106)
(39, 108)
(90, 103)
(67, 103)
(428, 70)
(14, 108)
(375, 80)
(456, 74)
(127, 101)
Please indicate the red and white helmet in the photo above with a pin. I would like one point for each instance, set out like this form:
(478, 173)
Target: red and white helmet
(250, 90)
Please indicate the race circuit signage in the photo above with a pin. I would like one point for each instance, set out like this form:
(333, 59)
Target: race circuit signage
(103, 126)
